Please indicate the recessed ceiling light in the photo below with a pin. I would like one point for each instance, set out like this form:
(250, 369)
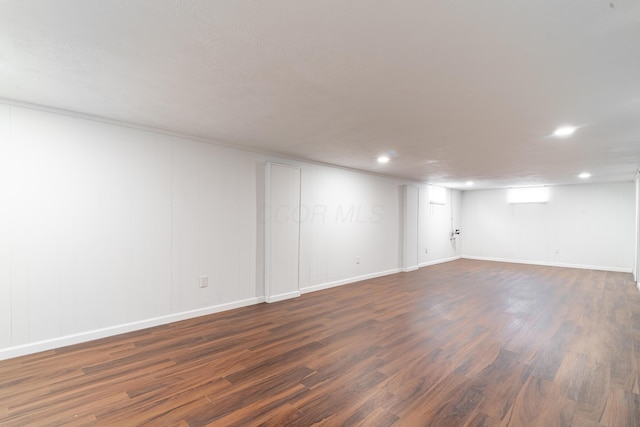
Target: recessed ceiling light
(584, 175)
(564, 131)
(383, 159)
(468, 183)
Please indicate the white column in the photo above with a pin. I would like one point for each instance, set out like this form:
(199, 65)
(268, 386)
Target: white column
(636, 266)
(282, 232)
(410, 228)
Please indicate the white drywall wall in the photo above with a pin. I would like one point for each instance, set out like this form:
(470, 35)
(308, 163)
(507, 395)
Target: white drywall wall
(590, 226)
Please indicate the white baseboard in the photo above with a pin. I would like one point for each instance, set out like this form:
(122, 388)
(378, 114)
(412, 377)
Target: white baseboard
(21, 350)
(551, 264)
(439, 261)
(372, 275)
(282, 297)
(328, 285)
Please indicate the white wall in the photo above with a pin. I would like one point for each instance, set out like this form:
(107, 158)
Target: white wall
(590, 225)
(106, 229)
(637, 232)
(435, 244)
(89, 218)
(5, 227)
(213, 219)
(350, 227)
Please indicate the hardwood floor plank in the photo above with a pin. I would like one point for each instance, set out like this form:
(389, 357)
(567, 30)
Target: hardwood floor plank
(449, 409)
(161, 409)
(481, 420)
(594, 389)
(501, 394)
(272, 391)
(622, 409)
(465, 343)
(539, 403)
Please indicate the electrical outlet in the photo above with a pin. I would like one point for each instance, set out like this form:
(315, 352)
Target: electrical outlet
(204, 281)
(357, 260)
(426, 251)
(556, 251)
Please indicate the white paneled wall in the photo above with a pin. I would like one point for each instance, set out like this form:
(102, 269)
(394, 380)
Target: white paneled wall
(213, 214)
(196, 224)
(6, 190)
(90, 225)
(435, 227)
(350, 227)
(106, 229)
(588, 225)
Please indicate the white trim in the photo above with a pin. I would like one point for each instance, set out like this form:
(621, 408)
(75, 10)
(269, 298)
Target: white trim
(282, 297)
(267, 228)
(412, 268)
(21, 350)
(551, 264)
(439, 261)
(328, 285)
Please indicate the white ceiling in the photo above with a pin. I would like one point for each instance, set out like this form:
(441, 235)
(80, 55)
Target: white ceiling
(453, 90)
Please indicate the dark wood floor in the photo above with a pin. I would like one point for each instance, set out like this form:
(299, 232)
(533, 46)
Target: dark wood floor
(462, 343)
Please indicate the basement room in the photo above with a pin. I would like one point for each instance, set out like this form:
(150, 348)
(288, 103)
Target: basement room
(319, 213)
